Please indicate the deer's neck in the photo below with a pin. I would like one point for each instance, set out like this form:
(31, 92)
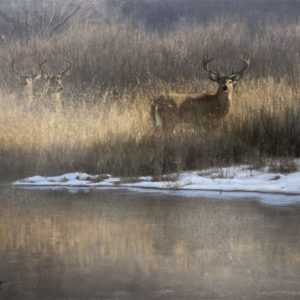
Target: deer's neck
(58, 103)
(28, 90)
(224, 100)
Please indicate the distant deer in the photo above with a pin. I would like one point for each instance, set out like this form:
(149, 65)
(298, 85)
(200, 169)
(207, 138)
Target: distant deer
(26, 81)
(54, 86)
(174, 107)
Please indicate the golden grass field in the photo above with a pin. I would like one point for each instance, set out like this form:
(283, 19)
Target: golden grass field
(119, 138)
(105, 125)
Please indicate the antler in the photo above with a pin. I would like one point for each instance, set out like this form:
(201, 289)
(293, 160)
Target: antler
(238, 75)
(43, 70)
(69, 65)
(214, 76)
(13, 66)
(33, 74)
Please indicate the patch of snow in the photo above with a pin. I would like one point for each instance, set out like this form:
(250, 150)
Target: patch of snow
(223, 180)
(145, 178)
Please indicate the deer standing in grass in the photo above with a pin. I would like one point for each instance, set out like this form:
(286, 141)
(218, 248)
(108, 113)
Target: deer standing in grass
(26, 81)
(53, 87)
(166, 110)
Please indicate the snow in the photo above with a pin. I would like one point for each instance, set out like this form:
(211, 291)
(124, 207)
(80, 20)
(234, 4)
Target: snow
(221, 182)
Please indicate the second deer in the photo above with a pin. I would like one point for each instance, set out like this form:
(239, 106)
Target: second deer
(54, 87)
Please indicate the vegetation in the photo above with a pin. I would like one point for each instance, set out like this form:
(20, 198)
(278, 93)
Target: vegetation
(118, 68)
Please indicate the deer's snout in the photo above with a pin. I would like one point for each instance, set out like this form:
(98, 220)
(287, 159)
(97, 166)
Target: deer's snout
(225, 88)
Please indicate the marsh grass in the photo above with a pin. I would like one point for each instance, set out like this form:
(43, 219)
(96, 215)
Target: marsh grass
(116, 70)
(118, 137)
(123, 56)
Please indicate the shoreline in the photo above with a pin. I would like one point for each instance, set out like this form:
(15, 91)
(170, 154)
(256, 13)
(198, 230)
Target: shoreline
(162, 189)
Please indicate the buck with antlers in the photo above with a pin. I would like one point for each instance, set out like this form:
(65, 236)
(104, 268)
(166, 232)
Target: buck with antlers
(53, 87)
(172, 108)
(26, 81)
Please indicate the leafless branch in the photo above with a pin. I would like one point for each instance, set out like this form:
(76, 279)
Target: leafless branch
(68, 17)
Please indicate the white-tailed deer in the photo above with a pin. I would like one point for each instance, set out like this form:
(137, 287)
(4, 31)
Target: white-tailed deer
(26, 82)
(166, 110)
(53, 87)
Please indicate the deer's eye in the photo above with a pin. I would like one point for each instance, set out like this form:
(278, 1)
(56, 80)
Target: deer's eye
(230, 81)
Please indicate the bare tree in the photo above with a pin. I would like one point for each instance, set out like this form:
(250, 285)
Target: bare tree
(23, 19)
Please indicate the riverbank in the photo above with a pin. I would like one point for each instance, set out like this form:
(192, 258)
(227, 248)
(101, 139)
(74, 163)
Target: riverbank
(228, 179)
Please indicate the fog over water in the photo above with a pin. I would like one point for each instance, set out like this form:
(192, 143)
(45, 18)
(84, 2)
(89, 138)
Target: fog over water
(124, 245)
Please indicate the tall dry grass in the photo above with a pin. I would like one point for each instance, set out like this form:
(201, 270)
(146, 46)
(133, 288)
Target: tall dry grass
(123, 56)
(105, 126)
(118, 138)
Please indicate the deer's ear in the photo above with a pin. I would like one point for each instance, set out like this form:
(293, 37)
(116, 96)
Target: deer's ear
(213, 77)
(38, 76)
(236, 78)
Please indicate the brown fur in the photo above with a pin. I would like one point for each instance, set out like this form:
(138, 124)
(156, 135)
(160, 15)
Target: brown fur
(54, 87)
(52, 92)
(173, 108)
(167, 110)
(26, 93)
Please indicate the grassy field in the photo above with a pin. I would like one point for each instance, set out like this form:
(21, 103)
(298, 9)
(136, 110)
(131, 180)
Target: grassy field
(116, 71)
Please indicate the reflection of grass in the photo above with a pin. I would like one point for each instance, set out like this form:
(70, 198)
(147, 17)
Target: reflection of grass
(169, 239)
(119, 139)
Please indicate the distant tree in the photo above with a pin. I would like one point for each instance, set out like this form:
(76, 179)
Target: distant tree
(163, 14)
(23, 19)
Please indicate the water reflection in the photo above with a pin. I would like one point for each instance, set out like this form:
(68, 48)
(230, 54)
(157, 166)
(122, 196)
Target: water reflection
(121, 245)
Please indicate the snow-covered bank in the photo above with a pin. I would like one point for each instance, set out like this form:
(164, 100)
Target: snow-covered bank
(230, 179)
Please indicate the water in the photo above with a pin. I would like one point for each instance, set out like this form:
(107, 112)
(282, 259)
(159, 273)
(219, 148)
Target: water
(123, 245)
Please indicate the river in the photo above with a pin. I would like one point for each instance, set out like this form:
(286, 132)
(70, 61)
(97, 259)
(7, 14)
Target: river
(118, 244)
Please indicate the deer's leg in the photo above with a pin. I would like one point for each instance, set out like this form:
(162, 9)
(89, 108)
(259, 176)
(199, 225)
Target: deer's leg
(58, 104)
(29, 101)
(155, 115)
(158, 118)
